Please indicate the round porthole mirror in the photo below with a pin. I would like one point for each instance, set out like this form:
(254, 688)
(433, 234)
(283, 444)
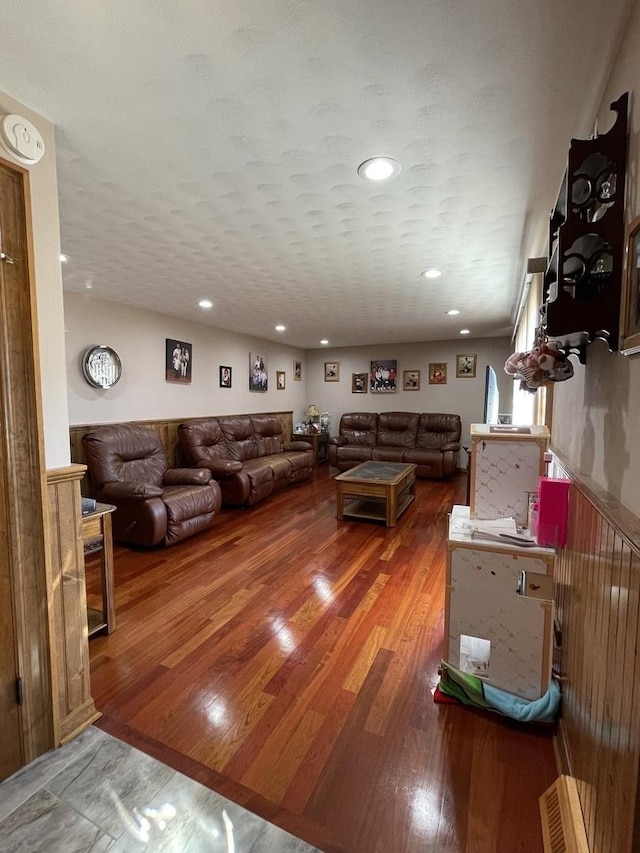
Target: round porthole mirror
(101, 366)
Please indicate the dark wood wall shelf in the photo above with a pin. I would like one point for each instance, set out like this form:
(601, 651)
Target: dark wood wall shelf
(583, 280)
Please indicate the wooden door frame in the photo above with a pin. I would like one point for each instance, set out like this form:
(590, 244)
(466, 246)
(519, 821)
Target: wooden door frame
(22, 445)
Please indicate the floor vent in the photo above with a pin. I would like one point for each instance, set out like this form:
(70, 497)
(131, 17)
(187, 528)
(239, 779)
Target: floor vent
(562, 823)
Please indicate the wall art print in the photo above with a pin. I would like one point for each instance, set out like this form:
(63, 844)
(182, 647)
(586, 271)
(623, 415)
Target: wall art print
(383, 376)
(258, 380)
(437, 373)
(178, 361)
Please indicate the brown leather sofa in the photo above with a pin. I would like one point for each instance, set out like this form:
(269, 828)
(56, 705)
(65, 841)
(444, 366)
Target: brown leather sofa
(154, 505)
(246, 454)
(430, 441)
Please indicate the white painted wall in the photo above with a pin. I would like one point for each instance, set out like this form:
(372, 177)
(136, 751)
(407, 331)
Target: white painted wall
(143, 393)
(48, 283)
(464, 397)
(596, 415)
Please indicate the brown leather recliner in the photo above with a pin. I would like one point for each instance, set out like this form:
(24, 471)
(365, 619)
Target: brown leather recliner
(155, 504)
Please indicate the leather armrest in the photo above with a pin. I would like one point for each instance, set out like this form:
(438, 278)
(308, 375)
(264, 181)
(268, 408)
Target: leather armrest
(338, 440)
(221, 467)
(451, 445)
(129, 491)
(186, 477)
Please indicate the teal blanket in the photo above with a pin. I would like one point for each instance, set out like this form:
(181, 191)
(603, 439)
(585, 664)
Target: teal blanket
(471, 690)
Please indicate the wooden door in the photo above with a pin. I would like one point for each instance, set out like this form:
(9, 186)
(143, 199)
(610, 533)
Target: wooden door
(26, 728)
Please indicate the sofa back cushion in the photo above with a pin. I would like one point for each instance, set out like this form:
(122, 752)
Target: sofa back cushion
(239, 437)
(359, 428)
(124, 453)
(439, 431)
(267, 434)
(397, 429)
(202, 441)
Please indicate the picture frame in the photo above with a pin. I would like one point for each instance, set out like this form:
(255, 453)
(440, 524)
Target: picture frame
(332, 371)
(258, 375)
(437, 373)
(359, 383)
(410, 380)
(297, 370)
(281, 380)
(383, 376)
(225, 376)
(630, 303)
(178, 361)
(466, 366)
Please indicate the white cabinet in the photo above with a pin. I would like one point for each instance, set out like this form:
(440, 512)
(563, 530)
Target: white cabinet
(499, 611)
(506, 463)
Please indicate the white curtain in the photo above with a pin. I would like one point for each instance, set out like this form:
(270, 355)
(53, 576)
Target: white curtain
(529, 408)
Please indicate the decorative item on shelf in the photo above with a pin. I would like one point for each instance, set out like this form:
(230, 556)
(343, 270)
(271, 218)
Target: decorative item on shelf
(544, 362)
(325, 422)
(312, 415)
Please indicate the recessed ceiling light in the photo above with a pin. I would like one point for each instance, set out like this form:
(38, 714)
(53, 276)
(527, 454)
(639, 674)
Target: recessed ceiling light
(453, 313)
(281, 328)
(379, 169)
(431, 274)
(464, 331)
(64, 258)
(88, 285)
(205, 303)
(324, 342)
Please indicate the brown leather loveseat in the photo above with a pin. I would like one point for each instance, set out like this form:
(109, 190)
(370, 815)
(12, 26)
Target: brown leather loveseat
(154, 504)
(246, 454)
(430, 441)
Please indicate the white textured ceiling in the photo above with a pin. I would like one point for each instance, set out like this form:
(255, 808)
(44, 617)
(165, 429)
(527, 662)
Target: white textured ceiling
(209, 149)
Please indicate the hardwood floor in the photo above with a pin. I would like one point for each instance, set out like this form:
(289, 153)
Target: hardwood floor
(287, 660)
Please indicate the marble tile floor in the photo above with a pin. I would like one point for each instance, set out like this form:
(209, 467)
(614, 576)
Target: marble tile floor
(98, 793)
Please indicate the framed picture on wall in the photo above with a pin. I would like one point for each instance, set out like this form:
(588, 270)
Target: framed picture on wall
(225, 376)
(630, 316)
(297, 370)
(178, 361)
(332, 371)
(383, 376)
(410, 380)
(466, 366)
(281, 378)
(359, 382)
(437, 373)
(258, 380)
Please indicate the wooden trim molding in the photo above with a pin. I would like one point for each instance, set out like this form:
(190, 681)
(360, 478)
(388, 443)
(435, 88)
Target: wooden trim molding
(598, 616)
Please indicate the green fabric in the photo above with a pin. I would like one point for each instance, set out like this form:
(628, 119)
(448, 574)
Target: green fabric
(462, 686)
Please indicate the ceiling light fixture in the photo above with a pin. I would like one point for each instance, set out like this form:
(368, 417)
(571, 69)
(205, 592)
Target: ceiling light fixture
(281, 328)
(464, 331)
(63, 258)
(453, 312)
(324, 342)
(379, 169)
(431, 274)
(205, 303)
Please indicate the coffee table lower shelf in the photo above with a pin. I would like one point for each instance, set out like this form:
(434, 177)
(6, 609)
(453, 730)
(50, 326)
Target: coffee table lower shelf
(372, 509)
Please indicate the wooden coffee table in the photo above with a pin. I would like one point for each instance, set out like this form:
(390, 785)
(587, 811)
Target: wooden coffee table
(376, 491)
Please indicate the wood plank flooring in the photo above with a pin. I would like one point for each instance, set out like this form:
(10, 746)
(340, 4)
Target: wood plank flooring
(287, 660)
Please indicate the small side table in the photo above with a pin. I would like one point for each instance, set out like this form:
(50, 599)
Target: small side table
(97, 538)
(320, 442)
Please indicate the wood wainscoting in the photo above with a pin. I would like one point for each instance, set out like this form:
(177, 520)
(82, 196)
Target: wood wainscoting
(597, 604)
(168, 432)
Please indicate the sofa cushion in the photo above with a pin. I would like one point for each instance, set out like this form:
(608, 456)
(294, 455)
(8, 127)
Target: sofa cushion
(359, 428)
(239, 437)
(397, 429)
(388, 454)
(267, 434)
(439, 431)
(130, 453)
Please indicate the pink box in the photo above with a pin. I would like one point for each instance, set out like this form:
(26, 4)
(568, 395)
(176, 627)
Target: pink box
(553, 509)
